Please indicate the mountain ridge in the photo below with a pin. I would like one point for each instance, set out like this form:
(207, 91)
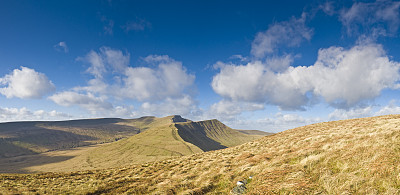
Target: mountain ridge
(144, 139)
(357, 156)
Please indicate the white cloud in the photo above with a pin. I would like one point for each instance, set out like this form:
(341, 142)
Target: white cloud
(229, 110)
(255, 83)
(121, 112)
(350, 76)
(279, 122)
(368, 16)
(23, 114)
(344, 78)
(243, 82)
(26, 83)
(61, 46)
(163, 87)
(115, 58)
(391, 108)
(104, 60)
(97, 67)
(289, 33)
(184, 106)
(341, 114)
(97, 106)
(87, 101)
(369, 111)
(168, 80)
(279, 64)
(94, 86)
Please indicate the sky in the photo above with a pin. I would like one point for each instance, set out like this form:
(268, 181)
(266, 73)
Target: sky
(266, 65)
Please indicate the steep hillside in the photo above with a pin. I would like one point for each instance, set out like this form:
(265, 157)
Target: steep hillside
(214, 135)
(359, 156)
(163, 138)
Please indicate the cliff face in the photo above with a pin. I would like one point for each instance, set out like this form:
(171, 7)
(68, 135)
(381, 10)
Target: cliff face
(212, 135)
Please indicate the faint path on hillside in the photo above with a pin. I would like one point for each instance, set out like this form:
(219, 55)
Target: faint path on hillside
(174, 132)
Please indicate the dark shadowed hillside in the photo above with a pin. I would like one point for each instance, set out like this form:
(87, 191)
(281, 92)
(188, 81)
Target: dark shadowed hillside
(213, 135)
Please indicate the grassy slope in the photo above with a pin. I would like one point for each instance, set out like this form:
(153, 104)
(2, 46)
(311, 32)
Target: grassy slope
(343, 157)
(154, 144)
(25, 138)
(161, 140)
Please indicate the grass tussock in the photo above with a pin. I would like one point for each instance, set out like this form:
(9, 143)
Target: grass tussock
(358, 156)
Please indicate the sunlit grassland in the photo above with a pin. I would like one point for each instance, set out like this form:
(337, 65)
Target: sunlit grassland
(155, 139)
(358, 156)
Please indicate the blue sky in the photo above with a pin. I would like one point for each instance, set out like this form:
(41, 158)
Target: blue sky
(252, 64)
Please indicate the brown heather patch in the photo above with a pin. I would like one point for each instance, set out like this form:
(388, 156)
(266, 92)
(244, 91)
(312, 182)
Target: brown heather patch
(358, 156)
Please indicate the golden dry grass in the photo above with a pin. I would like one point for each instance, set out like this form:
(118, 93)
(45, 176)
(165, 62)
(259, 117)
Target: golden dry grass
(358, 156)
(159, 139)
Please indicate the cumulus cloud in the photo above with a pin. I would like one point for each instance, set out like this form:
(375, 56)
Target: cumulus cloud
(368, 111)
(341, 114)
(23, 114)
(115, 58)
(26, 83)
(122, 112)
(228, 110)
(288, 33)
(391, 108)
(168, 80)
(61, 46)
(276, 123)
(97, 67)
(185, 106)
(107, 59)
(370, 16)
(97, 106)
(342, 77)
(254, 83)
(243, 82)
(279, 63)
(350, 76)
(88, 101)
(164, 86)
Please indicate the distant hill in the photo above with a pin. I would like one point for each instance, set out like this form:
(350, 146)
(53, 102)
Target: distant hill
(146, 139)
(23, 138)
(358, 156)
